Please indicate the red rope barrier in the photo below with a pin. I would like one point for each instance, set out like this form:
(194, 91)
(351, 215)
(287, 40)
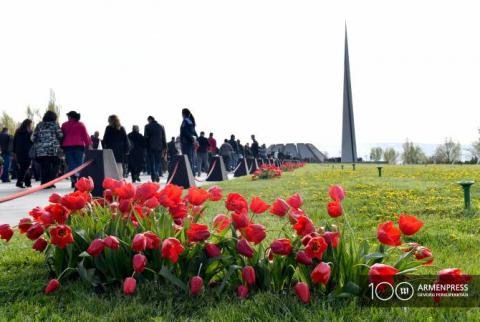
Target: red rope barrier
(209, 174)
(174, 172)
(45, 185)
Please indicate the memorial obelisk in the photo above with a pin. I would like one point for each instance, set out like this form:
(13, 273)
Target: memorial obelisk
(349, 145)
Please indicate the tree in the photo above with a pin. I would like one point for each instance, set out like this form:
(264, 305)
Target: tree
(376, 154)
(8, 122)
(33, 114)
(475, 150)
(52, 105)
(448, 152)
(390, 155)
(413, 153)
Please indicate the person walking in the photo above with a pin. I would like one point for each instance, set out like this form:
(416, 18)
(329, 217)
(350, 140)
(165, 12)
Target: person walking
(234, 157)
(241, 150)
(47, 138)
(188, 136)
(75, 141)
(172, 151)
(115, 138)
(136, 157)
(6, 153)
(248, 151)
(212, 149)
(156, 144)
(226, 151)
(202, 154)
(254, 147)
(22, 145)
(95, 140)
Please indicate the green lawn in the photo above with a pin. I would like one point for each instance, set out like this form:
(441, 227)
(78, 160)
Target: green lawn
(430, 192)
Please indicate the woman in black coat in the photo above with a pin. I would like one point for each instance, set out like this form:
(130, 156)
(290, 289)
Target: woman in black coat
(136, 157)
(22, 144)
(115, 138)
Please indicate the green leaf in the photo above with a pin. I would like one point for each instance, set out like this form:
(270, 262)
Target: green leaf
(167, 274)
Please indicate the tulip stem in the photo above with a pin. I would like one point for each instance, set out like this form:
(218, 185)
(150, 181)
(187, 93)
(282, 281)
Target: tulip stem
(199, 269)
(64, 271)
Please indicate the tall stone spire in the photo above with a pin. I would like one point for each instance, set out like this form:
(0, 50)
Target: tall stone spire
(349, 145)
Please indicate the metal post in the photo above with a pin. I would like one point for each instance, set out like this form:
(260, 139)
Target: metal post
(380, 171)
(466, 184)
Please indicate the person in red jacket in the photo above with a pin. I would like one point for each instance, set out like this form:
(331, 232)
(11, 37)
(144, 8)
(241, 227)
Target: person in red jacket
(75, 141)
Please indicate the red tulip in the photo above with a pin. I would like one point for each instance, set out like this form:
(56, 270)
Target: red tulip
(55, 198)
(139, 243)
(409, 225)
(96, 247)
(139, 262)
(258, 206)
(35, 231)
(452, 278)
(129, 286)
(306, 239)
(302, 291)
(171, 249)
(179, 211)
(24, 225)
(170, 195)
(59, 213)
(279, 207)
(248, 275)
(36, 213)
(108, 195)
(212, 250)
(196, 285)
(153, 241)
(304, 226)
(381, 273)
(221, 222)
(125, 206)
(152, 203)
(215, 193)
(52, 286)
(295, 201)
(281, 247)
(303, 258)
(39, 245)
(146, 191)
(316, 247)
(84, 184)
(109, 183)
(240, 219)
(331, 238)
(236, 202)
(197, 196)
(336, 193)
(75, 200)
(388, 234)
(198, 233)
(61, 236)
(255, 233)
(242, 292)
(45, 218)
(6, 232)
(422, 253)
(244, 248)
(321, 274)
(334, 209)
(125, 191)
(111, 242)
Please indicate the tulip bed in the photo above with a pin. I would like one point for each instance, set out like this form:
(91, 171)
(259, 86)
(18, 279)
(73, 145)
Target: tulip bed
(215, 247)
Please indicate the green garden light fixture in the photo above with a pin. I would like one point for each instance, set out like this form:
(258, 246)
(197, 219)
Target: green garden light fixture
(466, 184)
(379, 171)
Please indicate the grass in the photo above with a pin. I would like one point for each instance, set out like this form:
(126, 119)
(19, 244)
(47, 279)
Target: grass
(430, 192)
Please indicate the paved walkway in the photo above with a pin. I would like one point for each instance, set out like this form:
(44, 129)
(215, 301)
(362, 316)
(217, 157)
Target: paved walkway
(12, 211)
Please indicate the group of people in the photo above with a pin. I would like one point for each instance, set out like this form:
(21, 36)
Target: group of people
(44, 146)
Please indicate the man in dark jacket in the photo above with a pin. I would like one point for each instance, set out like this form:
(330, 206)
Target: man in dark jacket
(234, 159)
(6, 147)
(136, 157)
(254, 147)
(172, 152)
(156, 144)
(202, 154)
